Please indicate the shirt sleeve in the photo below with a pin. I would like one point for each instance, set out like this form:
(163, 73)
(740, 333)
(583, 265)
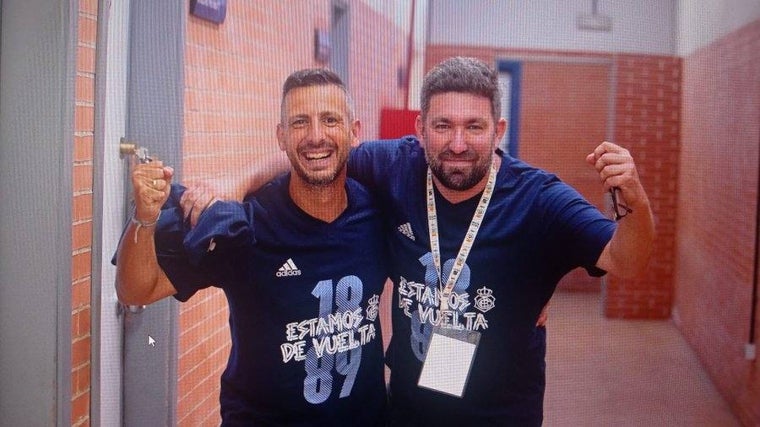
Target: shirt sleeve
(207, 254)
(373, 162)
(173, 259)
(576, 230)
(217, 244)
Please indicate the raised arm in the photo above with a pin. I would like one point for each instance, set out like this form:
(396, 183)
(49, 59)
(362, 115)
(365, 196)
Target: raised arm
(630, 248)
(139, 278)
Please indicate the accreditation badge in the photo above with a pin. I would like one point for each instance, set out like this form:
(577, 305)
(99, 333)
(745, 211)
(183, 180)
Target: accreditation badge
(448, 360)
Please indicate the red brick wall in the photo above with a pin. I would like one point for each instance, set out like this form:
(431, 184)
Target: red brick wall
(717, 207)
(647, 110)
(647, 114)
(378, 49)
(81, 228)
(233, 78)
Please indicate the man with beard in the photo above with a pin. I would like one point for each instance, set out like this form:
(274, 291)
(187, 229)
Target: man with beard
(478, 242)
(300, 263)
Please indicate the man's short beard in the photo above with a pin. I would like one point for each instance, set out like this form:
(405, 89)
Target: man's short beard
(456, 179)
(317, 181)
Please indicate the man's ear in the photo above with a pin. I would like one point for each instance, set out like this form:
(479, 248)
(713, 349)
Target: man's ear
(356, 130)
(281, 136)
(419, 126)
(501, 129)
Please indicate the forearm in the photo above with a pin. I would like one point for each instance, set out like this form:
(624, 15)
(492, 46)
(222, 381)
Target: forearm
(139, 278)
(630, 248)
(259, 173)
(199, 196)
(272, 165)
(628, 252)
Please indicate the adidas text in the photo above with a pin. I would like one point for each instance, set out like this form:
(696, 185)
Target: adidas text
(288, 273)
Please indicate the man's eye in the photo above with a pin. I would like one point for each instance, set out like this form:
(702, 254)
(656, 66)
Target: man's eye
(298, 123)
(330, 121)
(441, 127)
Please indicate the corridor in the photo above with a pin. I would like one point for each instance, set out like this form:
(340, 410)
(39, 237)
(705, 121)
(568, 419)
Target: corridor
(611, 372)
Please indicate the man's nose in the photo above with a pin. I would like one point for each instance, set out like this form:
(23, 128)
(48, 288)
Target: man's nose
(316, 132)
(458, 144)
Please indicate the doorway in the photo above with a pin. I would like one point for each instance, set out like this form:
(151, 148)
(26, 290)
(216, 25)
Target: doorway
(561, 109)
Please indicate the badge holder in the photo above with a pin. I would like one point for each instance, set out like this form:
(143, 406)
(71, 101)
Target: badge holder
(448, 360)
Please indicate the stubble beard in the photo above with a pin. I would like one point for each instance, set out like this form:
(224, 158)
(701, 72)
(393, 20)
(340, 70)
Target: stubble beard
(321, 178)
(457, 178)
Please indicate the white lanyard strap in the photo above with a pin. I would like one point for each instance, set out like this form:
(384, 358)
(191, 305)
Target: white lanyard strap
(469, 238)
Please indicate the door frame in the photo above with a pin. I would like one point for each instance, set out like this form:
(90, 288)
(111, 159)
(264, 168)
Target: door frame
(513, 65)
(154, 109)
(514, 69)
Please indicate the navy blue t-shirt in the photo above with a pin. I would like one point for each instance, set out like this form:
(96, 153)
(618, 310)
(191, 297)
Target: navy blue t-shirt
(303, 296)
(536, 230)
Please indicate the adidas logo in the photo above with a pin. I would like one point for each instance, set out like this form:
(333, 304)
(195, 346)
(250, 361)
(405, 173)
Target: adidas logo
(288, 269)
(406, 230)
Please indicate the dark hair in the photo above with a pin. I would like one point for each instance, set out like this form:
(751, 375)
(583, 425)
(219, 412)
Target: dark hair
(315, 77)
(465, 75)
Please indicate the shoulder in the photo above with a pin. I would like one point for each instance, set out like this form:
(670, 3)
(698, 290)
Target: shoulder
(515, 173)
(535, 189)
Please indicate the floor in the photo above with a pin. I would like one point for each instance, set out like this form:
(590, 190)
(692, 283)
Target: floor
(610, 372)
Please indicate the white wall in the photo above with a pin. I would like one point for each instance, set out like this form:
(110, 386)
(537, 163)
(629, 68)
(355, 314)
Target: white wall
(701, 22)
(638, 26)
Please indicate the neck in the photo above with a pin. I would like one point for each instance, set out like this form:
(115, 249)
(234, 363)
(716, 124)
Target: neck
(323, 202)
(457, 196)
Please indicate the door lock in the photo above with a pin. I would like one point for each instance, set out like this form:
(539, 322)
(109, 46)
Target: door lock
(128, 148)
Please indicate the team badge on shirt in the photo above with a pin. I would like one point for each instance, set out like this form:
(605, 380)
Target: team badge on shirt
(485, 299)
(373, 308)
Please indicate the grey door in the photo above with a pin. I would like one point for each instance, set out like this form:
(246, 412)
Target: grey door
(37, 45)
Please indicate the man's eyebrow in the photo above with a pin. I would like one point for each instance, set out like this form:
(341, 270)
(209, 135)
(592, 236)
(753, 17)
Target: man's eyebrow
(440, 119)
(466, 120)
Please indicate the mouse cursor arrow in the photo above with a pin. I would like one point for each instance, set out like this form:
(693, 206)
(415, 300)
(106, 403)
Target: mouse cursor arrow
(151, 341)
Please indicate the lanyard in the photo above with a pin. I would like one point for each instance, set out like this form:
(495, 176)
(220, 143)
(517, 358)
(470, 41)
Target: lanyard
(469, 238)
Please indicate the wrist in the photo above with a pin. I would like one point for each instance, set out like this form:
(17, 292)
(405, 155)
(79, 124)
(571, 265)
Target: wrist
(143, 224)
(140, 223)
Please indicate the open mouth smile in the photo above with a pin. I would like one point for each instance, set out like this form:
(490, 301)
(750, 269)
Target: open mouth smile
(317, 155)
